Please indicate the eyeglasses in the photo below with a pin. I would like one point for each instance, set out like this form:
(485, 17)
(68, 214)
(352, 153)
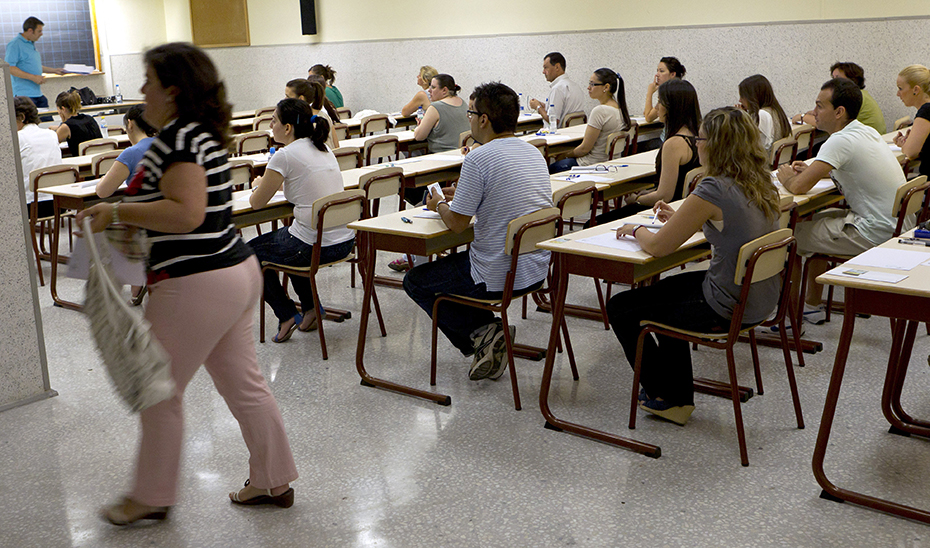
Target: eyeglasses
(595, 84)
(700, 138)
(472, 113)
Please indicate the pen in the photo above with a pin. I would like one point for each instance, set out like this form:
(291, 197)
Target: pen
(914, 241)
(406, 220)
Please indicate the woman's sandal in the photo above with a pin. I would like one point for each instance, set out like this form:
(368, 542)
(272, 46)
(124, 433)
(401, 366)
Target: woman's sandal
(311, 327)
(284, 500)
(279, 338)
(129, 511)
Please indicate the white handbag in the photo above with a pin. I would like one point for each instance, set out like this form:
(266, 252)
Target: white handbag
(138, 365)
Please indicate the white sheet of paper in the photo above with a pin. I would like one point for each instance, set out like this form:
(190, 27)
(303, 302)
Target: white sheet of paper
(126, 271)
(823, 184)
(896, 259)
(582, 178)
(609, 239)
(427, 214)
(848, 272)
(894, 148)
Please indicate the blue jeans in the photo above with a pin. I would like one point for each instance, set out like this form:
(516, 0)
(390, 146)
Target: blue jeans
(283, 248)
(677, 301)
(452, 276)
(563, 165)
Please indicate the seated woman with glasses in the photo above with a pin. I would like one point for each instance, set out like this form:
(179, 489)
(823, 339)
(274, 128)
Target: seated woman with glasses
(610, 116)
(735, 204)
(680, 112)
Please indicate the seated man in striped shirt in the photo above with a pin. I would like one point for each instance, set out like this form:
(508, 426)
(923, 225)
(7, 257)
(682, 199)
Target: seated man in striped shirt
(500, 181)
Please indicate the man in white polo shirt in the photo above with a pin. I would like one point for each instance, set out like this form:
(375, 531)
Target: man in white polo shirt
(865, 171)
(565, 95)
(501, 180)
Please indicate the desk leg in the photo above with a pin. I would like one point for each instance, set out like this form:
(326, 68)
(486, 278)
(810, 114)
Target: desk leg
(830, 491)
(552, 422)
(901, 347)
(367, 263)
(53, 284)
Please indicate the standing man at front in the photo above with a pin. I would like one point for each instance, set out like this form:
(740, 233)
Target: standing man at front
(500, 181)
(26, 63)
(565, 96)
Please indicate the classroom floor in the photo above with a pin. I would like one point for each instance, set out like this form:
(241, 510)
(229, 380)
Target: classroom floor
(381, 469)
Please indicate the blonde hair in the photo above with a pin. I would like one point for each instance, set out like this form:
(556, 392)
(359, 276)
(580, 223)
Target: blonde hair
(427, 73)
(734, 149)
(917, 75)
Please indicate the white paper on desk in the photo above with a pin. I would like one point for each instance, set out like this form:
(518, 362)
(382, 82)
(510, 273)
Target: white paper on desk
(92, 182)
(609, 239)
(582, 178)
(427, 214)
(895, 259)
(125, 271)
(894, 148)
(847, 272)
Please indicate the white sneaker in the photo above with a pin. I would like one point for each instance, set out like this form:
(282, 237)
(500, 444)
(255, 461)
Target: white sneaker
(815, 314)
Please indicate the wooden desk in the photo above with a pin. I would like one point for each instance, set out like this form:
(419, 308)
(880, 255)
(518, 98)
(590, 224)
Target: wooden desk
(889, 138)
(117, 108)
(907, 302)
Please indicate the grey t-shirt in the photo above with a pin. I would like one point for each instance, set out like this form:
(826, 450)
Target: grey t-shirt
(742, 223)
(452, 122)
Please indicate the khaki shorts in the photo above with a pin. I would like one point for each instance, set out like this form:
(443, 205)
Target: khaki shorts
(827, 232)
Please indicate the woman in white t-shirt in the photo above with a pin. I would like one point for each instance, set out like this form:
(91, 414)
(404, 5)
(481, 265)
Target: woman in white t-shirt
(38, 148)
(757, 97)
(608, 117)
(308, 171)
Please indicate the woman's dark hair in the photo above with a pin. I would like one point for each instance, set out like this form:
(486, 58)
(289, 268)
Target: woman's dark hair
(70, 100)
(26, 109)
(446, 81)
(201, 95)
(615, 81)
(674, 65)
(325, 71)
(306, 125)
(681, 106)
(758, 93)
(134, 115)
(327, 104)
(312, 92)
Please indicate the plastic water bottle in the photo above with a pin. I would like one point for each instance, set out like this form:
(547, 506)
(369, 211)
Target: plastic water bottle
(102, 122)
(419, 114)
(119, 96)
(553, 119)
(520, 97)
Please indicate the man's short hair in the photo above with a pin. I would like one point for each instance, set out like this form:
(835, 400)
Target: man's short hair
(555, 58)
(499, 103)
(852, 71)
(846, 94)
(32, 23)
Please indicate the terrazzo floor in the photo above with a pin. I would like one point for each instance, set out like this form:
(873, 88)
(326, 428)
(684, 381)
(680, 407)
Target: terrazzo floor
(381, 469)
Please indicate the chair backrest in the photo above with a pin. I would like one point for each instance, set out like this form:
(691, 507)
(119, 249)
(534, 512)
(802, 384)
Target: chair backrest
(532, 228)
(344, 112)
(341, 130)
(378, 184)
(901, 123)
(261, 123)
(634, 140)
(45, 177)
(542, 146)
(338, 209)
(574, 119)
(253, 141)
(264, 111)
(618, 144)
(788, 217)
(465, 139)
(908, 200)
(575, 199)
(348, 157)
(375, 123)
(770, 262)
(102, 162)
(241, 173)
(382, 146)
(692, 178)
(783, 151)
(96, 146)
(804, 135)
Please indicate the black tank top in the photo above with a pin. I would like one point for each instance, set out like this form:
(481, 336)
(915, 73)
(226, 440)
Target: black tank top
(83, 128)
(683, 170)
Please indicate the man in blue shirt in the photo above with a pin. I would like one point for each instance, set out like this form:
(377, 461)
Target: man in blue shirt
(26, 63)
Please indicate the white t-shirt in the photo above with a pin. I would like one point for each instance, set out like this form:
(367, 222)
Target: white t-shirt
(767, 127)
(309, 174)
(607, 119)
(566, 97)
(868, 175)
(38, 148)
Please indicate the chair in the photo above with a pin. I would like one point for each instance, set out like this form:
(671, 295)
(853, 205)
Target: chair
(328, 212)
(758, 260)
(341, 130)
(784, 151)
(574, 119)
(909, 199)
(348, 157)
(465, 139)
(634, 140)
(692, 178)
(804, 135)
(382, 146)
(251, 142)
(96, 146)
(101, 163)
(264, 111)
(375, 123)
(261, 123)
(619, 144)
(241, 173)
(39, 179)
(344, 112)
(380, 183)
(542, 145)
(901, 123)
(523, 233)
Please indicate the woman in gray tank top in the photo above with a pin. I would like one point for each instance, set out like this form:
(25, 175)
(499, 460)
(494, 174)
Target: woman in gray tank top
(446, 118)
(736, 203)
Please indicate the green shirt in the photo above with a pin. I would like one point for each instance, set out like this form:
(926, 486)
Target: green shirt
(871, 115)
(335, 97)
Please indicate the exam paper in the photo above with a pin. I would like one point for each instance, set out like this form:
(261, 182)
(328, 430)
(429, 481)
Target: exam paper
(895, 259)
(847, 272)
(609, 239)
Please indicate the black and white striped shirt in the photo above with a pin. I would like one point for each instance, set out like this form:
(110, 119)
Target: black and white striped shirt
(212, 245)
